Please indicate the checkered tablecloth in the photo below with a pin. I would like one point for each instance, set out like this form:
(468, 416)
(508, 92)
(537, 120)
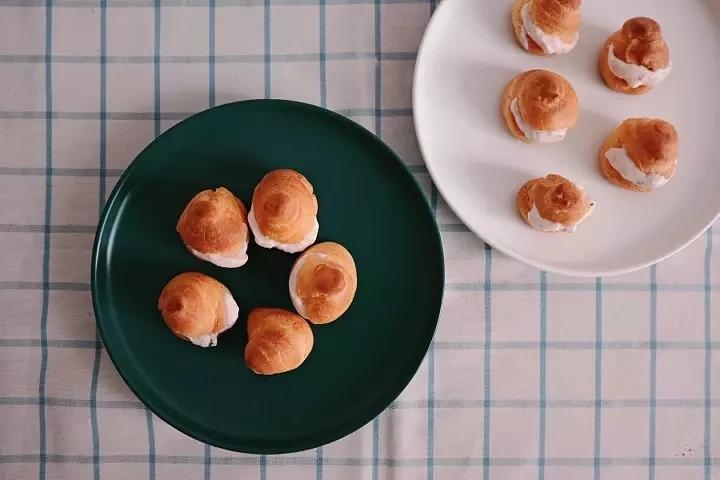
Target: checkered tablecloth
(531, 375)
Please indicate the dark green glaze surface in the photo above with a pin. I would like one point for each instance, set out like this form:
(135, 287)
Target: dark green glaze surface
(368, 201)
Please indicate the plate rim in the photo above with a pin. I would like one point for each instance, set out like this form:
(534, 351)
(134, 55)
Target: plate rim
(377, 407)
(574, 272)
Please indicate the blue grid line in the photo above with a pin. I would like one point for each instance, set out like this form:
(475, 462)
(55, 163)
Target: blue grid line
(157, 17)
(101, 203)
(430, 452)
(461, 227)
(267, 83)
(416, 169)
(59, 172)
(42, 469)
(708, 357)
(377, 120)
(653, 371)
(207, 474)
(67, 115)
(195, 3)
(377, 26)
(208, 463)
(34, 342)
(577, 287)
(555, 403)
(375, 448)
(114, 172)
(156, 65)
(68, 286)
(93, 395)
(103, 104)
(199, 59)
(431, 351)
(91, 172)
(323, 103)
(597, 434)
(430, 473)
(451, 286)
(211, 53)
(151, 444)
(360, 462)
(71, 402)
(439, 345)
(266, 46)
(318, 463)
(543, 375)
(480, 403)
(487, 362)
(322, 53)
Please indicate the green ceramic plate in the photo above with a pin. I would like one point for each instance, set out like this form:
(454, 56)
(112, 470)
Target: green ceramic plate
(368, 201)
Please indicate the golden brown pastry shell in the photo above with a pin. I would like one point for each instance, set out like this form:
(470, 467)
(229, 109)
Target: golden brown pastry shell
(652, 144)
(325, 282)
(284, 206)
(556, 17)
(214, 221)
(192, 305)
(556, 198)
(547, 101)
(638, 42)
(278, 341)
(533, 47)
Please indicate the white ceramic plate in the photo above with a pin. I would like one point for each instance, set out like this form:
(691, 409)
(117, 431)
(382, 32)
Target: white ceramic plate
(467, 56)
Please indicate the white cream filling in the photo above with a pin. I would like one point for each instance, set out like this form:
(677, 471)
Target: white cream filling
(540, 136)
(209, 340)
(550, 44)
(231, 315)
(537, 222)
(292, 285)
(266, 242)
(623, 164)
(635, 75)
(226, 261)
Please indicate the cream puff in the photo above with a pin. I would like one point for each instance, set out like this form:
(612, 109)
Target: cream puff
(323, 282)
(553, 204)
(214, 228)
(197, 308)
(283, 213)
(539, 106)
(641, 154)
(635, 59)
(278, 341)
(547, 27)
